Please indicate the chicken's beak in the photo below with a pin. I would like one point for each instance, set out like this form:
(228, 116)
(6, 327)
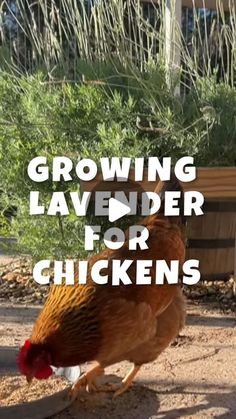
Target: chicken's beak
(29, 379)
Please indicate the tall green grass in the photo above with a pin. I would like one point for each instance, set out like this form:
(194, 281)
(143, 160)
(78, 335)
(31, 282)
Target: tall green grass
(55, 35)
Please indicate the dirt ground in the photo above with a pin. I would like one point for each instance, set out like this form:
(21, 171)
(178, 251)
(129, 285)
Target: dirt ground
(194, 378)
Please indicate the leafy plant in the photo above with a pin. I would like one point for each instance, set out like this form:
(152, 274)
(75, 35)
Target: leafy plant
(38, 117)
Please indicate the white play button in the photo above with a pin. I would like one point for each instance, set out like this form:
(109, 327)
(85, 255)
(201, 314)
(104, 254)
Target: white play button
(117, 209)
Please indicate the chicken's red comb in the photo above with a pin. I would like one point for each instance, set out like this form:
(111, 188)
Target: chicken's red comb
(22, 357)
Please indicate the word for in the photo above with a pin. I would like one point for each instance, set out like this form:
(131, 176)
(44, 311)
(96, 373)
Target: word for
(118, 272)
(111, 168)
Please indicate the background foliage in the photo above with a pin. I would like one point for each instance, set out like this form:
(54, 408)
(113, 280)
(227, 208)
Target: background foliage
(84, 120)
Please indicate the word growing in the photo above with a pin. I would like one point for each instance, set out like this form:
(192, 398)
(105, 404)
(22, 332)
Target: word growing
(111, 168)
(77, 272)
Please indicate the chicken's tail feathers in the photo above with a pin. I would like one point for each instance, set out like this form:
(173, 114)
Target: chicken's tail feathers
(170, 186)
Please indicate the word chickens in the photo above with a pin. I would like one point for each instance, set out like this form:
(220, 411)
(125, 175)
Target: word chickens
(118, 272)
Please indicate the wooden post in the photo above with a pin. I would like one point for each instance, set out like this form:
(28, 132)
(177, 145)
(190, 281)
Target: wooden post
(173, 26)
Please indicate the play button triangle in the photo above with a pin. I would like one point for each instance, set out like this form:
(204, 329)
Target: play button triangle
(117, 209)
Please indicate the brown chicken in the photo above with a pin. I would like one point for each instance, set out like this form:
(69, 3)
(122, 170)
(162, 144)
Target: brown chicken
(108, 324)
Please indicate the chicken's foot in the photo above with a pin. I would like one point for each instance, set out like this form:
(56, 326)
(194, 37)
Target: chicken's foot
(120, 388)
(87, 380)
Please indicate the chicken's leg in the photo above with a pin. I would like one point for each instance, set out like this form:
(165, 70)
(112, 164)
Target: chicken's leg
(120, 388)
(87, 380)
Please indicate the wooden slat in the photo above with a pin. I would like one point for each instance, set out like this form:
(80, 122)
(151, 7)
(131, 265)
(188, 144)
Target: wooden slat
(210, 243)
(219, 206)
(212, 226)
(213, 261)
(173, 21)
(213, 183)
(208, 4)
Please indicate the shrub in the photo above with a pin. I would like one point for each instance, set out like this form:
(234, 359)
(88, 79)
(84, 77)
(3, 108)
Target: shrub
(78, 120)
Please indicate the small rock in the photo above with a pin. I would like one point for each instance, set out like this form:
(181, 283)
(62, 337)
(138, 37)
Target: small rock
(229, 295)
(224, 300)
(17, 293)
(211, 290)
(10, 276)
